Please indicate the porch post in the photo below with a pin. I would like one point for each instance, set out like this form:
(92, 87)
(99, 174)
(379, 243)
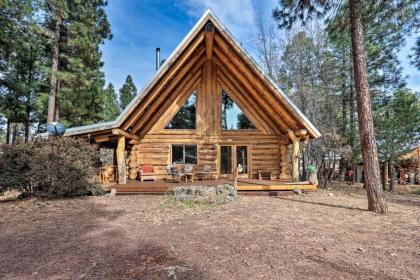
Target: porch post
(121, 160)
(295, 157)
(295, 160)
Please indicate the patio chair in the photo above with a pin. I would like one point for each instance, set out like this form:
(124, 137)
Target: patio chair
(147, 172)
(207, 171)
(173, 171)
(265, 175)
(189, 173)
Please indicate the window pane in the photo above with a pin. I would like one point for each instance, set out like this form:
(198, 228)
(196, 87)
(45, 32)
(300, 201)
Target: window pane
(232, 115)
(185, 118)
(242, 158)
(177, 154)
(226, 160)
(191, 154)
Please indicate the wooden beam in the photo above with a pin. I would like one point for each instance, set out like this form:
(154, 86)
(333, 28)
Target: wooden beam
(209, 40)
(279, 104)
(187, 73)
(101, 139)
(121, 160)
(292, 136)
(151, 108)
(295, 157)
(178, 65)
(129, 135)
(275, 187)
(246, 83)
(302, 133)
(248, 109)
(173, 103)
(248, 101)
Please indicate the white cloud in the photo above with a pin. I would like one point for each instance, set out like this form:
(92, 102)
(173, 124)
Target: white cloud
(237, 15)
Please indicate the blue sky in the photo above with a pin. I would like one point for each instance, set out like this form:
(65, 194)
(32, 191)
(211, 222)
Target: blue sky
(139, 26)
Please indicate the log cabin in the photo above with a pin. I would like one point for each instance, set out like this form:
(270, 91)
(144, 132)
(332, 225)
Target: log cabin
(207, 104)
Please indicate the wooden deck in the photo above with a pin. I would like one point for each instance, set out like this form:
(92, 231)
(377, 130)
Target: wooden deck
(245, 186)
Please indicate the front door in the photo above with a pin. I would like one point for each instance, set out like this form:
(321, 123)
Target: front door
(230, 157)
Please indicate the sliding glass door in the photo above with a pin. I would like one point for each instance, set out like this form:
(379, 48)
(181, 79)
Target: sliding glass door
(230, 157)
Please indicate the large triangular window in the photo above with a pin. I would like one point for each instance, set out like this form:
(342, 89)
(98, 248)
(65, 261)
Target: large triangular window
(232, 116)
(185, 117)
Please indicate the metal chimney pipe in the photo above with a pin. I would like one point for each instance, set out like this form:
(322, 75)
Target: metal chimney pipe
(157, 58)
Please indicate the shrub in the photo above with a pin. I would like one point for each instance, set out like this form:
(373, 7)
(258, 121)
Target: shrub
(15, 162)
(311, 169)
(58, 167)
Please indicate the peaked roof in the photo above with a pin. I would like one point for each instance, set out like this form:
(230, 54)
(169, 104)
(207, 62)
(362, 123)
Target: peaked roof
(207, 16)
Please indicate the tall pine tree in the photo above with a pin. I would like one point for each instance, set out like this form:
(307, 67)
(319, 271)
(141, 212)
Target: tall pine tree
(20, 71)
(77, 29)
(290, 12)
(127, 92)
(111, 110)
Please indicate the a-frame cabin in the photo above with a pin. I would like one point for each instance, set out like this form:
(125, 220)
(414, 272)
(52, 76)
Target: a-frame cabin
(208, 104)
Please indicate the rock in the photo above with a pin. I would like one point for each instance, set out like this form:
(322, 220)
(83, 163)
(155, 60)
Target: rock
(313, 179)
(331, 194)
(297, 191)
(219, 194)
(183, 197)
(361, 249)
(113, 192)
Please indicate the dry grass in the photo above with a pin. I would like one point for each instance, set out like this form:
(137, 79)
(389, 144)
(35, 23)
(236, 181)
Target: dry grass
(311, 236)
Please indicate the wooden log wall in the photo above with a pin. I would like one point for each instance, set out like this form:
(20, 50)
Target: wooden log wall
(265, 152)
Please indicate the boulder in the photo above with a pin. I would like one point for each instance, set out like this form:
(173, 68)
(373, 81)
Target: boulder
(206, 194)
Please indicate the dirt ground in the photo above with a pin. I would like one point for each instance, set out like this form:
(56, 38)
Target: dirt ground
(325, 234)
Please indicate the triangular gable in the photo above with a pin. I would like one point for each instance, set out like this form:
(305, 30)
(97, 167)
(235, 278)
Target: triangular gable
(169, 63)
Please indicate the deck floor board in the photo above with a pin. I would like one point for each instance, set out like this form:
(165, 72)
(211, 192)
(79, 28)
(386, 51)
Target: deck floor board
(243, 185)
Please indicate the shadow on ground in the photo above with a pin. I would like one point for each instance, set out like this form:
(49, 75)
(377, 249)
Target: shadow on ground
(323, 204)
(48, 242)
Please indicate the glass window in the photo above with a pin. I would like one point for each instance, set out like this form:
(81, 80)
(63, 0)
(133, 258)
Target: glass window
(232, 115)
(177, 154)
(183, 154)
(226, 159)
(242, 158)
(190, 154)
(185, 117)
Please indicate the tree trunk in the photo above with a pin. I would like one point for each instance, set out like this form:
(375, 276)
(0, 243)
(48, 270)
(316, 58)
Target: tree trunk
(385, 175)
(52, 98)
(12, 133)
(392, 181)
(27, 122)
(8, 131)
(372, 180)
(304, 173)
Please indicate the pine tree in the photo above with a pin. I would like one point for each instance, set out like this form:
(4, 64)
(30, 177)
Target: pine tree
(415, 58)
(127, 92)
(398, 126)
(20, 70)
(111, 109)
(302, 10)
(77, 29)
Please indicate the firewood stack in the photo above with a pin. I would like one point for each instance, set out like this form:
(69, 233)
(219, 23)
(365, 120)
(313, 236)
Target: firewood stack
(133, 165)
(108, 174)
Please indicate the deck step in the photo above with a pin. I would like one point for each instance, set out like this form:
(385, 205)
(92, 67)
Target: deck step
(244, 193)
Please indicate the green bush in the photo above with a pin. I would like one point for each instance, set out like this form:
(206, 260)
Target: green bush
(59, 167)
(311, 169)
